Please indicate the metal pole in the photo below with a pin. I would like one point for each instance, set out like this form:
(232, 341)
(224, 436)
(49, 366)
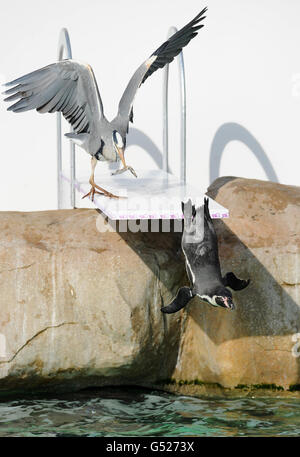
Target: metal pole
(180, 60)
(64, 46)
(183, 119)
(165, 120)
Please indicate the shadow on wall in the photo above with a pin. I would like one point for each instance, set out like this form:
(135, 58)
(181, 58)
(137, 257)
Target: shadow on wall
(263, 309)
(161, 253)
(232, 131)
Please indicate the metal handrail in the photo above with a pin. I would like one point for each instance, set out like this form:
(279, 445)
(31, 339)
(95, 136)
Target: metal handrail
(180, 60)
(64, 46)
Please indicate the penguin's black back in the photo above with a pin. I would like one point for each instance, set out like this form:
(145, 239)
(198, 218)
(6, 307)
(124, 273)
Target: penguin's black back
(200, 247)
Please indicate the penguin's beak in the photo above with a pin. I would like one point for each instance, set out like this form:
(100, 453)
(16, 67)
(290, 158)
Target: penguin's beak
(225, 302)
(229, 303)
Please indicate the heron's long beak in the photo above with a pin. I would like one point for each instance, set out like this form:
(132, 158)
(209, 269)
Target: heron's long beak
(121, 155)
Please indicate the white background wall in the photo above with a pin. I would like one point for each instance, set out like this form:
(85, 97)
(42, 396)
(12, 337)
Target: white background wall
(242, 70)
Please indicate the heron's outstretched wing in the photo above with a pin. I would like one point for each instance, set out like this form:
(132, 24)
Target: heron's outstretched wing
(67, 86)
(184, 295)
(163, 55)
(230, 280)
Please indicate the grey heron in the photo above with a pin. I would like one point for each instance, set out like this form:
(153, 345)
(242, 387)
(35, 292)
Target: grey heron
(70, 87)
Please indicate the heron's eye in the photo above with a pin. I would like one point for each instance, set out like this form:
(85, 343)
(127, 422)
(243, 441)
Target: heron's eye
(118, 139)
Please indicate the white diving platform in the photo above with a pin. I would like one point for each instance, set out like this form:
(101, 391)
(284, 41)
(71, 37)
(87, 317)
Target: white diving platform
(154, 194)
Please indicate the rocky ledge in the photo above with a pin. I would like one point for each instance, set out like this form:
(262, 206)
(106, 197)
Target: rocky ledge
(81, 307)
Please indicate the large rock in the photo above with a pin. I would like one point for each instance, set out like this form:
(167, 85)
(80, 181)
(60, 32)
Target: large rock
(254, 344)
(82, 308)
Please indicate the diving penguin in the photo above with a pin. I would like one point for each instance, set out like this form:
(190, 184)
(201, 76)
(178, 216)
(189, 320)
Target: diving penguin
(200, 248)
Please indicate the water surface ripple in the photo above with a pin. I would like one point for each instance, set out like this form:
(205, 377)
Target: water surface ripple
(135, 412)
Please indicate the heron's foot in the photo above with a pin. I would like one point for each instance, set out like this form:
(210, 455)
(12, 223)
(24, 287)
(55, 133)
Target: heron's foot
(118, 172)
(94, 192)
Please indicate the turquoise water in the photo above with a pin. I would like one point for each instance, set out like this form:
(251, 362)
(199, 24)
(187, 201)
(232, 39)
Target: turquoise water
(135, 412)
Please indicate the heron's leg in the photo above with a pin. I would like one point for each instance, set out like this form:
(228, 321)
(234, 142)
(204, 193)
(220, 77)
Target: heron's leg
(94, 186)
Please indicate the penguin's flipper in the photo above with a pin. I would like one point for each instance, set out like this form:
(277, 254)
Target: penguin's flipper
(234, 283)
(184, 295)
